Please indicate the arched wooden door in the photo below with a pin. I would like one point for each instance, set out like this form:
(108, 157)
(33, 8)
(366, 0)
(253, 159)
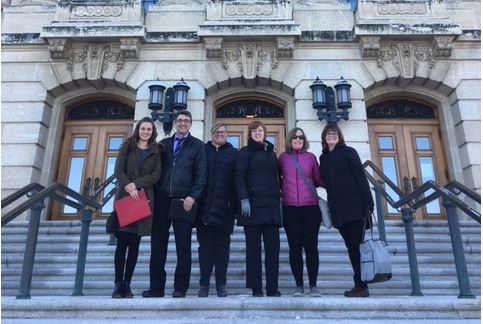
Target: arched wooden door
(239, 113)
(91, 138)
(405, 142)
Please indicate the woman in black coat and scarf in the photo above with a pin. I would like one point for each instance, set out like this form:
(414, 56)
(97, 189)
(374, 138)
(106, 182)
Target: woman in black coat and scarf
(257, 183)
(138, 166)
(216, 211)
(349, 197)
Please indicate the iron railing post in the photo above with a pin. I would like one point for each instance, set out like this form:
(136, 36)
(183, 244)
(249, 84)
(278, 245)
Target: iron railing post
(86, 219)
(458, 251)
(407, 217)
(30, 247)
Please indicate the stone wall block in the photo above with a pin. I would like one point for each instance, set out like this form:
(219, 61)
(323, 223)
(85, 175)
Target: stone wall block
(22, 111)
(22, 155)
(24, 133)
(23, 91)
(122, 76)
(16, 177)
(468, 131)
(472, 176)
(463, 110)
(469, 89)
(470, 154)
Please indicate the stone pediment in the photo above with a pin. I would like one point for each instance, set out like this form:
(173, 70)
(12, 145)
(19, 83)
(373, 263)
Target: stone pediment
(106, 20)
(378, 20)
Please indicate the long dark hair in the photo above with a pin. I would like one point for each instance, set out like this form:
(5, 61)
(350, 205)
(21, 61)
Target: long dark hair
(334, 128)
(131, 142)
(288, 140)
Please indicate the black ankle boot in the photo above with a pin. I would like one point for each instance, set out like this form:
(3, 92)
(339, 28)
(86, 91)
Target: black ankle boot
(204, 291)
(221, 291)
(118, 291)
(127, 290)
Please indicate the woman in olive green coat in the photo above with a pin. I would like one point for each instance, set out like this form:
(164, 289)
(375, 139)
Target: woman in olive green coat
(138, 166)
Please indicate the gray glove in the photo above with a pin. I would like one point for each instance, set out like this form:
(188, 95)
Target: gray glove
(245, 208)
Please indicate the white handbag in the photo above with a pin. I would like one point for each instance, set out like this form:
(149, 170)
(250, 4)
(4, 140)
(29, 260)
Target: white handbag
(375, 259)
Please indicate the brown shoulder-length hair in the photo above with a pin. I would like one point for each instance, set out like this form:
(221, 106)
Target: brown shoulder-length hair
(333, 128)
(288, 140)
(254, 125)
(132, 141)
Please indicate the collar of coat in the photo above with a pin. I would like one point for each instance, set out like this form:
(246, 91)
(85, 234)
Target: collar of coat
(227, 144)
(337, 146)
(256, 146)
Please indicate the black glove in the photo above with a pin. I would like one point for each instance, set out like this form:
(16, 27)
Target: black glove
(245, 208)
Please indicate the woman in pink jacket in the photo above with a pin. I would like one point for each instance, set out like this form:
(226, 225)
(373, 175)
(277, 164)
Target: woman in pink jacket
(301, 213)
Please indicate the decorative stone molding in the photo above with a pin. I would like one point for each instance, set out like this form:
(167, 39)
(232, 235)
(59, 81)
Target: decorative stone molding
(95, 60)
(443, 45)
(96, 12)
(130, 47)
(248, 9)
(213, 46)
(92, 10)
(418, 8)
(285, 46)
(249, 58)
(58, 47)
(369, 46)
(406, 58)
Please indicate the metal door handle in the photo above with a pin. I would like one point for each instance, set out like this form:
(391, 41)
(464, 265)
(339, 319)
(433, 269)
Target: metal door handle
(97, 182)
(87, 187)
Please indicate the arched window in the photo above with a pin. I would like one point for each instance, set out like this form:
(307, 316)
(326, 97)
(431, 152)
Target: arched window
(101, 109)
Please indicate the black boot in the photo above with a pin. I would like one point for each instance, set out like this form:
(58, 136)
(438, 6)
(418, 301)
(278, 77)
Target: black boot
(221, 291)
(204, 291)
(118, 291)
(127, 290)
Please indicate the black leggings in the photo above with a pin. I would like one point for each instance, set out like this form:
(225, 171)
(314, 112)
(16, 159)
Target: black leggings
(352, 234)
(126, 240)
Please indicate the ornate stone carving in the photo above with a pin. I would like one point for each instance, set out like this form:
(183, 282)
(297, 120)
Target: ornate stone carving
(95, 60)
(213, 46)
(406, 58)
(96, 11)
(443, 45)
(369, 46)
(402, 8)
(248, 9)
(58, 47)
(249, 59)
(130, 47)
(285, 46)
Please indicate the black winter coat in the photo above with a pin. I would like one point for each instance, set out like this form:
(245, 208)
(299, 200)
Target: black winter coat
(348, 192)
(128, 169)
(256, 178)
(184, 175)
(218, 203)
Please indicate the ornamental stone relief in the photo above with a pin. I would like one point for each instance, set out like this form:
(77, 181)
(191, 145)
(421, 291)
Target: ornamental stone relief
(96, 11)
(405, 58)
(248, 9)
(94, 60)
(249, 58)
(401, 8)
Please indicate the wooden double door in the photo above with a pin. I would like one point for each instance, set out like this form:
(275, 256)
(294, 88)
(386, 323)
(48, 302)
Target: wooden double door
(87, 159)
(413, 150)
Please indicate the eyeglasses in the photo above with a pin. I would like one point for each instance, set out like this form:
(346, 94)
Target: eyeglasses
(332, 134)
(220, 132)
(300, 137)
(183, 121)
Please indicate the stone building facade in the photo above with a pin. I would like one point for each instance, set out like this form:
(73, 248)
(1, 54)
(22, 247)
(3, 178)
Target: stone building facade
(75, 76)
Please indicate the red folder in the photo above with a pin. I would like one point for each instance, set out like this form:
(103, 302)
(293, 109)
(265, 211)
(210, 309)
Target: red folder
(130, 211)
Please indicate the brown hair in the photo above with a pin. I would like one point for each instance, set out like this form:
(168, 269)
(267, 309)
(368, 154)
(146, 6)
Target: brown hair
(288, 140)
(185, 113)
(131, 142)
(254, 125)
(334, 128)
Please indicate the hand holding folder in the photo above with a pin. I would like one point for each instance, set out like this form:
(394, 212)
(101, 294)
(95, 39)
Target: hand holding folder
(130, 211)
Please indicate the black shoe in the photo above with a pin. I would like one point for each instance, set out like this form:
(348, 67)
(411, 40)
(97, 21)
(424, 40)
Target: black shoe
(257, 293)
(275, 293)
(127, 290)
(221, 291)
(203, 292)
(152, 294)
(118, 291)
(179, 294)
(357, 292)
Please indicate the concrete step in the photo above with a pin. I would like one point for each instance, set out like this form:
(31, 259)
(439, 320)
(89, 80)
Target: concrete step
(242, 307)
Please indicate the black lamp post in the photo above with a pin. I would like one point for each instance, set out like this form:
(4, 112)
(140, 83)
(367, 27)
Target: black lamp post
(323, 98)
(175, 99)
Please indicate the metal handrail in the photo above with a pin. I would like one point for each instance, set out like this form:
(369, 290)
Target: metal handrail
(37, 193)
(412, 199)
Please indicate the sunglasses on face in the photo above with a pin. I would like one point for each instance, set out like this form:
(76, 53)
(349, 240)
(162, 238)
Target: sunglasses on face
(300, 137)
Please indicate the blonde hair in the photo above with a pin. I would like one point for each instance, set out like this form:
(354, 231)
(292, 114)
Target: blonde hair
(216, 126)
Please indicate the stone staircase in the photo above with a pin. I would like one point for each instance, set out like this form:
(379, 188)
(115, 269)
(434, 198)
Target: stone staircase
(55, 264)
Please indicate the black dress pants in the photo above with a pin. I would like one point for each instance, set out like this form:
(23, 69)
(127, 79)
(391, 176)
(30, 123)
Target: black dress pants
(213, 250)
(352, 234)
(271, 243)
(302, 226)
(124, 266)
(159, 249)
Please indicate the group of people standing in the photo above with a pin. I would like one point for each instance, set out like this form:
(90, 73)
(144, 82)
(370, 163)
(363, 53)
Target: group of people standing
(261, 191)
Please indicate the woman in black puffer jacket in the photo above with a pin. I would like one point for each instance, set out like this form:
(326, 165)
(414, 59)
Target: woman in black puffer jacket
(216, 211)
(257, 183)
